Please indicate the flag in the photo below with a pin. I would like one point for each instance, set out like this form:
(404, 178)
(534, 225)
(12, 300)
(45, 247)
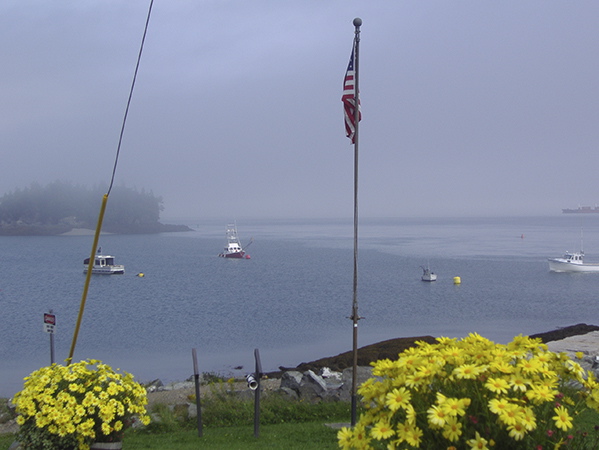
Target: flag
(349, 100)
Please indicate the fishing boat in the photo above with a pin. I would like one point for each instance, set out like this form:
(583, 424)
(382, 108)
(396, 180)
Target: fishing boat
(572, 262)
(427, 275)
(233, 248)
(103, 265)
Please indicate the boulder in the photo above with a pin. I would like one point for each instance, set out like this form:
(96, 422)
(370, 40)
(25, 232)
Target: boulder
(312, 387)
(291, 380)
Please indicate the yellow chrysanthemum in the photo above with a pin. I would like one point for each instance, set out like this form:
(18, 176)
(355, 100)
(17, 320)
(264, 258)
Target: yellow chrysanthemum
(562, 418)
(518, 382)
(497, 385)
(398, 398)
(382, 430)
(437, 416)
(345, 436)
(498, 405)
(468, 371)
(540, 393)
(412, 435)
(452, 429)
(478, 443)
(455, 406)
(517, 431)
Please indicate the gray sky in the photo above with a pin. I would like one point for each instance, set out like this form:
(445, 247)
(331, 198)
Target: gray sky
(469, 107)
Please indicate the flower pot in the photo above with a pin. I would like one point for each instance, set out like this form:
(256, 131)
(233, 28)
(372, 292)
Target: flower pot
(106, 446)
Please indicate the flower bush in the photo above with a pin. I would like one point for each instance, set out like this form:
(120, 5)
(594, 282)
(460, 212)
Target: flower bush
(473, 394)
(70, 407)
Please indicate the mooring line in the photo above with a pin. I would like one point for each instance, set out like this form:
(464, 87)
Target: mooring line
(105, 197)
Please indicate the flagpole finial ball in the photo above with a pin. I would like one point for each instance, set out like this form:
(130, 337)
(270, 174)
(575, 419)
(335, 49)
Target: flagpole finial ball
(357, 22)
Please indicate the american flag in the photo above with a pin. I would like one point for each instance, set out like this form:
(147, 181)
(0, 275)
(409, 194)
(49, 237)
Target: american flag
(349, 100)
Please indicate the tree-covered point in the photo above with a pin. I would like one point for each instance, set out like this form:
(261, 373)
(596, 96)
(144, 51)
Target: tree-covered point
(61, 206)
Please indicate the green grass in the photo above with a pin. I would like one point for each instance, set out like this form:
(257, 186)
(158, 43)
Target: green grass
(310, 435)
(228, 423)
(6, 440)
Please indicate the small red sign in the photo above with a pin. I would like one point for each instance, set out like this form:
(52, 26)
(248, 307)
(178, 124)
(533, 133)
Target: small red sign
(49, 319)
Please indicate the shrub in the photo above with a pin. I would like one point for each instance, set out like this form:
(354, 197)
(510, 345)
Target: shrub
(72, 406)
(473, 394)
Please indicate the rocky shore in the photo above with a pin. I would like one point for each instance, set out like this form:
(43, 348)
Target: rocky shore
(330, 378)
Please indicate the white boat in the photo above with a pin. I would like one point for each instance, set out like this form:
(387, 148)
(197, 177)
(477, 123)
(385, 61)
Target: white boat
(572, 262)
(103, 265)
(233, 248)
(427, 275)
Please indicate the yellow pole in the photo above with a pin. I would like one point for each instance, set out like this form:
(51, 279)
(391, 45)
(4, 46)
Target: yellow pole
(88, 276)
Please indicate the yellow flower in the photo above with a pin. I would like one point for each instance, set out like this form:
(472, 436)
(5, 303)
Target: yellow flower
(511, 414)
(562, 418)
(382, 430)
(497, 385)
(452, 429)
(518, 382)
(410, 414)
(455, 407)
(498, 405)
(528, 419)
(359, 439)
(412, 435)
(539, 394)
(344, 436)
(478, 443)
(437, 416)
(468, 371)
(398, 398)
(517, 431)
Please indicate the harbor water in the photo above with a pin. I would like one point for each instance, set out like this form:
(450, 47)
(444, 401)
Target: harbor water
(292, 299)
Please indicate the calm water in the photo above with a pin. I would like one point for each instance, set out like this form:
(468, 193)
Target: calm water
(292, 298)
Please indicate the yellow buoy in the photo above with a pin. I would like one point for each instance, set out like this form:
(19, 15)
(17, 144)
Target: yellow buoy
(140, 274)
(457, 280)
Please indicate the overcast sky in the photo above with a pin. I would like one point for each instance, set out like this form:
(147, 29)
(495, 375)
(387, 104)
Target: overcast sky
(469, 107)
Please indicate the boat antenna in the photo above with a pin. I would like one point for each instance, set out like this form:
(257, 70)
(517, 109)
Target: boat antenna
(105, 197)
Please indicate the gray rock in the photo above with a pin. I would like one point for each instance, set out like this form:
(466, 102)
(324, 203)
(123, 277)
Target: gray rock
(312, 387)
(291, 380)
(178, 385)
(290, 394)
(154, 385)
(363, 372)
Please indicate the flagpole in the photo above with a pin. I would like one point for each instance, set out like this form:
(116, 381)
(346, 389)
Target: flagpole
(354, 316)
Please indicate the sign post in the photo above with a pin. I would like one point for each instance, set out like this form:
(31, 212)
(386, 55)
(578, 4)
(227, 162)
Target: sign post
(49, 327)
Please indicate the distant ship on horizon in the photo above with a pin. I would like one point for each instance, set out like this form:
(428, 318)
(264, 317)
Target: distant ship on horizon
(582, 210)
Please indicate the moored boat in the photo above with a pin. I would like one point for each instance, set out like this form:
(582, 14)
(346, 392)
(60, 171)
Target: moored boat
(103, 265)
(427, 275)
(572, 262)
(233, 248)
(581, 210)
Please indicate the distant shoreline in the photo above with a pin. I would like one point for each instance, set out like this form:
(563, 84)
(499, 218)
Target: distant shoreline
(67, 230)
(82, 232)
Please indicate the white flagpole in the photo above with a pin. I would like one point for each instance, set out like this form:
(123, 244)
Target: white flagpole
(354, 316)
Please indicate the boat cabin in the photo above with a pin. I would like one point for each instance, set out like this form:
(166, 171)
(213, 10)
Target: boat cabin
(101, 261)
(574, 258)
